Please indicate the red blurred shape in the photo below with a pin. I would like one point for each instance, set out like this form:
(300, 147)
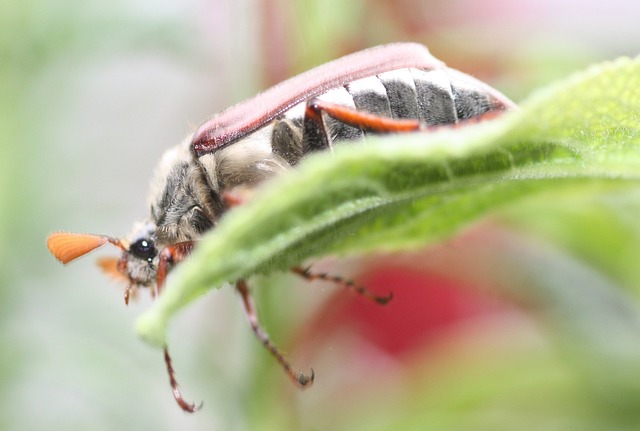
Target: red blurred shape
(424, 308)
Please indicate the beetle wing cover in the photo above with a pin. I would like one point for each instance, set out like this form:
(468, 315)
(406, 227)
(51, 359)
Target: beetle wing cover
(69, 246)
(245, 117)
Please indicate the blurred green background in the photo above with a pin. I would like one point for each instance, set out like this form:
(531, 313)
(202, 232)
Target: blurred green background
(93, 92)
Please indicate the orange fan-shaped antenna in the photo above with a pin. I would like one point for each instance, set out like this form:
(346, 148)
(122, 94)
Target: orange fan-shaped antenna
(69, 246)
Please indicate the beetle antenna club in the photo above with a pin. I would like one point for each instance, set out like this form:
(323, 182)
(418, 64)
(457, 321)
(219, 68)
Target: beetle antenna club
(391, 88)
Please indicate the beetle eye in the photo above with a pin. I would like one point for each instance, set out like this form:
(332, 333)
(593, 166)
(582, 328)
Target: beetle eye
(143, 249)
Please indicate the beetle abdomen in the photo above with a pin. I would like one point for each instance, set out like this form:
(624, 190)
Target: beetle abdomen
(434, 97)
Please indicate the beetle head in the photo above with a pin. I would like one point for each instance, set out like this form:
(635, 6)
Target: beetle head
(137, 265)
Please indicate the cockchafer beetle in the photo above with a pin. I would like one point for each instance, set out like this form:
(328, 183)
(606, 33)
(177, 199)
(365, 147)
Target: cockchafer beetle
(391, 88)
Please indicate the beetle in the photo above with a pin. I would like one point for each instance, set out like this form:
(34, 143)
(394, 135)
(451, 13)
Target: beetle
(391, 88)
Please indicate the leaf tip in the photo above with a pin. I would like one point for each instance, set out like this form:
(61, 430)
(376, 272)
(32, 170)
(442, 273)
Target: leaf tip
(152, 329)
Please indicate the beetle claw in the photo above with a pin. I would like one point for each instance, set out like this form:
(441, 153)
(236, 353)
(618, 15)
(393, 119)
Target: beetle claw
(306, 380)
(184, 405)
(383, 300)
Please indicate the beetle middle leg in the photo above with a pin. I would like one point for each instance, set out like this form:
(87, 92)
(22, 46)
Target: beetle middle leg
(171, 255)
(298, 377)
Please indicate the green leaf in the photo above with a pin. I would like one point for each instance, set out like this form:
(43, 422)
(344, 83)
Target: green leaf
(407, 191)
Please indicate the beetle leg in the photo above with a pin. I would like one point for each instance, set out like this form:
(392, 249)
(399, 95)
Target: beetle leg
(348, 284)
(298, 377)
(237, 196)
(130, 292)
(186, 406)
(170, 255)
(314, 134)
(357, 118)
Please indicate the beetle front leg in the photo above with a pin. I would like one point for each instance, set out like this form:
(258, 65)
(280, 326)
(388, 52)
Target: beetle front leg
(298, 377)
(171, 255)
(184, 405)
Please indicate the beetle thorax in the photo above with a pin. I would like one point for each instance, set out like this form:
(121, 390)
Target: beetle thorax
(182, 202)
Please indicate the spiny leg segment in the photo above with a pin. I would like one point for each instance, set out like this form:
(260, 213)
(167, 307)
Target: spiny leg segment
(298, 377)
(308, 275)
